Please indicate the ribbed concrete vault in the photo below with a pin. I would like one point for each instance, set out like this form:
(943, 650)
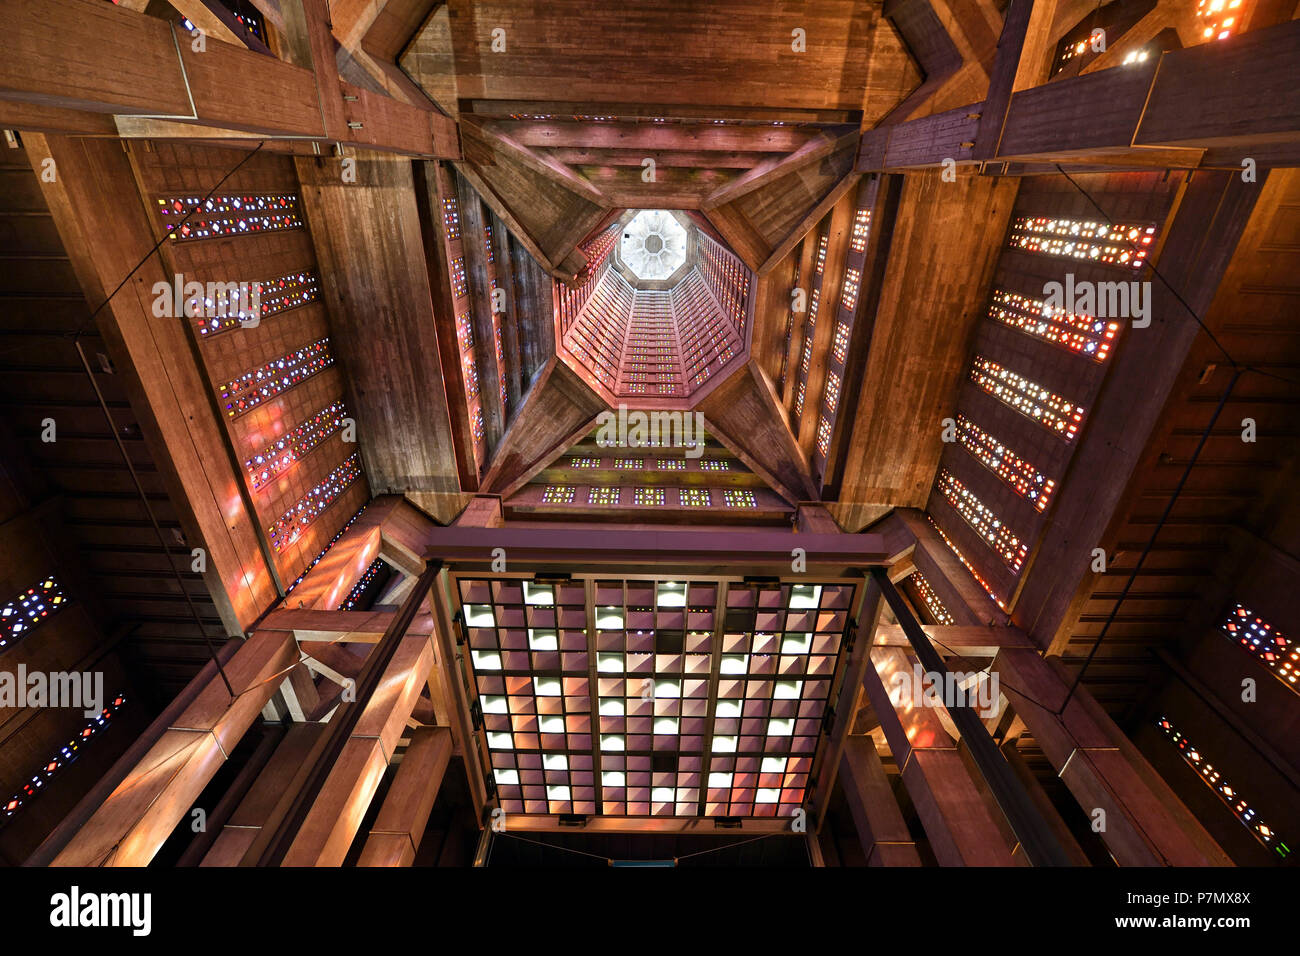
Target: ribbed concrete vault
(655, 342)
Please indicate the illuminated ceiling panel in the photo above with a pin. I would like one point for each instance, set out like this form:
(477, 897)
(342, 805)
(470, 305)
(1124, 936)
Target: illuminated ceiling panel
(653, 244)
(653, 697)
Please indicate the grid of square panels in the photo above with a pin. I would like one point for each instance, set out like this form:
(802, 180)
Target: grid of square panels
(528, 646)
(780, 647)
(650, 741)
(654, 646)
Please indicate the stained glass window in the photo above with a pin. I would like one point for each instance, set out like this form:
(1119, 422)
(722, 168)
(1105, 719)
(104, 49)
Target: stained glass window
(1218, 19)
(497, 343)
(693, 497)
(558, 495)
(632, 463)
(289, 526)
(458, 286)
(471, 378)
(1031, 400)
(861, 229)
(277, 457)
(739, 498)
(1071, 50)
(1256, 635)
(225, 305)
(451, 217)
(228, 215)
(1078, 332)
(849, 298)
(30, 609)
(363, 584)
(604, 495)
(1235, 802)
(714, 464)
(648, 496)
(728, 279)
(584, 462)
(789, 331)
(823, 435)
(257, 386)
(1028, 481)
(250, 21)
(831, 396)
(840, 346)
(1119, 244)
(324, 551)
(933, 604)
(670, 464)
(1009, 547)
(979, 578)
(66, 754)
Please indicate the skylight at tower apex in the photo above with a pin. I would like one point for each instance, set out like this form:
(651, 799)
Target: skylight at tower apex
(653, 245)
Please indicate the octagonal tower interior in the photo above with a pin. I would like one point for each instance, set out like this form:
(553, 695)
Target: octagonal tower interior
(660, 313)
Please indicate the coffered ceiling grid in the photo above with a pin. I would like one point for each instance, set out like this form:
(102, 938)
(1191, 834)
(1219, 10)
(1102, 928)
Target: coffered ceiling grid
(652, 696)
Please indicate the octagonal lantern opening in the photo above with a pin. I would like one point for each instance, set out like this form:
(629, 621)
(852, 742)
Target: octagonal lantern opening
(661, 313)
(653, 246)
